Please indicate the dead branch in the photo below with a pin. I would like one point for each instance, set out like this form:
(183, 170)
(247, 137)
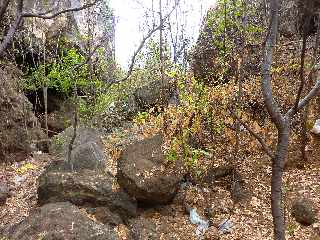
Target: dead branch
(255, 135)
(141, 45)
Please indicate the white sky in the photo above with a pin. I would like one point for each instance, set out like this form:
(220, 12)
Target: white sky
(130, 17)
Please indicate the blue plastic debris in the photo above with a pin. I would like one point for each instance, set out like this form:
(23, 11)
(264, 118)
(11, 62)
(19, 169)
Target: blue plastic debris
(202, 224)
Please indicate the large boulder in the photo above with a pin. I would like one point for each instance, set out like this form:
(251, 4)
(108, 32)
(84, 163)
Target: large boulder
(20, 132)
(303, 210)
(154, 93)
(89, 188)
(142, 172)
(87, 149)
(58, 221)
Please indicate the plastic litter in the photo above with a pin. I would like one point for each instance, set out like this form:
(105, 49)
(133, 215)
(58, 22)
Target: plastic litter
(225, 226)
(316, 127)
(202, 224)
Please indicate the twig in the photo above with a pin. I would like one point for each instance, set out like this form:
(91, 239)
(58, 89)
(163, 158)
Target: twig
(44, 15)
(254, 134)
(145, 38)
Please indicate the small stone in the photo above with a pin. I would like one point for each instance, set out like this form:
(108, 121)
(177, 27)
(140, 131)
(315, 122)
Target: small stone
(304, 212)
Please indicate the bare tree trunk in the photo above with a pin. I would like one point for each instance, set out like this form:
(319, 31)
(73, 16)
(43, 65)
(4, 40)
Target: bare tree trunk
(305, 115)
(276, 183)
(161, 42)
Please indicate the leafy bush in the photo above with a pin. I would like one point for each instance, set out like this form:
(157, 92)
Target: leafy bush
(61, 74)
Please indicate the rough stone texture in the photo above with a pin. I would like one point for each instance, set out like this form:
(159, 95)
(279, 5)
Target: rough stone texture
(303, 210)
(105, 216)
(154, 93)
(4, 193)
(59, 221)
(142, 228)
(59, 120)
(84, 188)
(87, 152)
(141, 172)
(20, 132)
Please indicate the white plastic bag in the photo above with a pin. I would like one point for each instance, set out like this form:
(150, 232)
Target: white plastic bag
(202, 224)
(316, 127)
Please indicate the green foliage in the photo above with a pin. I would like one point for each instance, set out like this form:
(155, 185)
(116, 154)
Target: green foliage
(61, 75)
(291, 228)
(228, 28)
(195, 109)
(141, 118)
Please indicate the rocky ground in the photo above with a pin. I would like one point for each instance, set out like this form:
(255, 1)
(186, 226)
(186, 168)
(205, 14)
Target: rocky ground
(250, 219)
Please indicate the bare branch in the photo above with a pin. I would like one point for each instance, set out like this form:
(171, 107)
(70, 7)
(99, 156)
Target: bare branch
(266, 85)
(256, 136)
(150, 33)
(314, 92)
(9, 36)
(45, 16)
(133, 59)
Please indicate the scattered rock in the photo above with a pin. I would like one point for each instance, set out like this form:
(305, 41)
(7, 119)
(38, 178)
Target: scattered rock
(303, 210)
(85, 188)
(58, 221)
(142, 172)
(87, 152)
(4, 193)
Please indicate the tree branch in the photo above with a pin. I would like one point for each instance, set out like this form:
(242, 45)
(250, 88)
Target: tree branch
(45, 15)
(9, 36)
(150, 33)
(314, 92)
(20, 15)
(256, 136)
(266, 85)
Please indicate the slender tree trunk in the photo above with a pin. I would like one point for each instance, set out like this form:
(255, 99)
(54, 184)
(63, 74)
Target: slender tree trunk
(276, 183)
(305, 115)
(161, 41)
(3, 8)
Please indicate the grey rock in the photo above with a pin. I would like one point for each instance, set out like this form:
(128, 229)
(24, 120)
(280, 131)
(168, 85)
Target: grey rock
(303, 210)
(59, 221)
(87, 151)
(88, 188)
(154, 93)
(142, 172)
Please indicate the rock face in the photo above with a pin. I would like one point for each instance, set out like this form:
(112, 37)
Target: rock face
(141, 172)
(59, 221)
(84, 188)
(71, 25)
(87, 151)
(4, 193)
(20, 132)
(105, 216)
(304, 212)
